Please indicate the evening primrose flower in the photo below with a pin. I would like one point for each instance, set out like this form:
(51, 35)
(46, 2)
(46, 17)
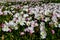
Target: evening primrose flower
(5, 28)
(22, 23)
(58, 15)
(15, 27)
(31, 29)
(47, 19)
(29, 18)
(25, 10)
(25, 15)
(16, 15)
(46, 12)
(28, 23)
(54, 19)
(12, 8)
(25, 6)
(56, 24)
(26, 30)
(37, 16)
(13, 11)
(21, 12)
(42, 30)
(11, 23)
(59, 25)
(43, 34)
(36, 24)
(5, 12)
(10, 12)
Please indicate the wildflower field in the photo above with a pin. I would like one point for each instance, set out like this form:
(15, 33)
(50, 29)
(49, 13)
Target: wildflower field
(29, 21)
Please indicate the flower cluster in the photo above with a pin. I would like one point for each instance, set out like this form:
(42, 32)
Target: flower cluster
(31, 17)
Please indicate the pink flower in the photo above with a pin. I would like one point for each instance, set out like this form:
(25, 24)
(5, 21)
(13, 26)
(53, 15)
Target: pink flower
(10, 30)
(22, 33)
(53, 32)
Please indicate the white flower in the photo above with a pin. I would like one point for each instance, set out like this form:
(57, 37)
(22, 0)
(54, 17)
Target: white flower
(31, 29)
(46, 12)
(28, 23)
(12, 8)
(13, 11)
(36, 24)
(5, 12)
(6, 23)
(42, 24)
(22, 23)
(42, 28)
(16, 15)
(5, 28)
(26, 30)
(43, 34)
(37, 15)
(41, 11)
(29, 18)
(10, 12)
(25, 9)
(25, 15)
(47, 19)
(54, 18)
(58, 15)
(59, 25)
(25, 6)
(21, 12)
(16, 27)
(56, 24)
(11, 23)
